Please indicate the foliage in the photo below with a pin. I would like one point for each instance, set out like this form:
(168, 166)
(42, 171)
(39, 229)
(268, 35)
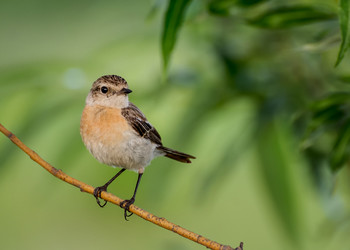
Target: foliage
(315, 103)
(172, 23)
(332, 108)
(344, 28)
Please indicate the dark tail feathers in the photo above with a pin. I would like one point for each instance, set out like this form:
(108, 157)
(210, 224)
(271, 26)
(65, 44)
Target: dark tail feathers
(176, 155)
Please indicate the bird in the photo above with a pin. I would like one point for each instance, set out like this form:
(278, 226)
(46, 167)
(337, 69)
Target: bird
(118, 134)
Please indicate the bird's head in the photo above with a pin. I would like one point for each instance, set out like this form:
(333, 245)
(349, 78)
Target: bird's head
(109, 91)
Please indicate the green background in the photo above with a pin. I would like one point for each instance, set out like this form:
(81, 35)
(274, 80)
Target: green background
(236, 95)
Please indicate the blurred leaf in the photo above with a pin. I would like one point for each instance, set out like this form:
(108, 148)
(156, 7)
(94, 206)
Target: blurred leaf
(248, 3)
(319, 168)
(324, 117)
(173, 20)
(291, 16)
(222, 7)
(275, 148)
(329, 111)
(331, 100)
(331, 115)
(340, 152)
(344, 78)
(322, 44)
(344, 28)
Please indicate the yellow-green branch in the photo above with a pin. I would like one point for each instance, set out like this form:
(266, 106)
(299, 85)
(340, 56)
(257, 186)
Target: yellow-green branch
(162, 222)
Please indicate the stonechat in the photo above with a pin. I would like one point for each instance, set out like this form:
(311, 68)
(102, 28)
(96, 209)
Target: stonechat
(118, 134)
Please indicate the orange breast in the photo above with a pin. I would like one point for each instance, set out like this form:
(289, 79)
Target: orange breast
(102, 125)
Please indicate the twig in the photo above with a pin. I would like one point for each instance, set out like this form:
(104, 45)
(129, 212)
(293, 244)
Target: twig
(162, 222)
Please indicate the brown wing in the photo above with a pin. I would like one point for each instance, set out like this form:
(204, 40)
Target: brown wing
(139, 123)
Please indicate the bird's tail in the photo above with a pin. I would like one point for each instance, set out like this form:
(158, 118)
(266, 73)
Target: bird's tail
(176, 155)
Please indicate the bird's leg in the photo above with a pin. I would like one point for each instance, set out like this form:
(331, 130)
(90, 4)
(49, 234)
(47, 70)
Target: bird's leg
(98, 190)
(126, 203)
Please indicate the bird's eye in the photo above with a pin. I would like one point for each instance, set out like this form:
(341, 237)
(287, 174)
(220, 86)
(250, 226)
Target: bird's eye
(104, 89)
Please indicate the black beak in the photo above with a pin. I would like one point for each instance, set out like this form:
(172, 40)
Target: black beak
(125, 91)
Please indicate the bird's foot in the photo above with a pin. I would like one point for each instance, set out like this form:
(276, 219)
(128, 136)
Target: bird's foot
(126, 204)
(97, 194)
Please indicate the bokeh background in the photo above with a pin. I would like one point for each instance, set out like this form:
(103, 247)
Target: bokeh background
(251, 90)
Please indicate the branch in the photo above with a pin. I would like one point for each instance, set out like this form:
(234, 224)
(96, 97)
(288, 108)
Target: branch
(162, 222)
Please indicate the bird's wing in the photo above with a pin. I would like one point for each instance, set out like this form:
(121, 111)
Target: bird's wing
(139, 123)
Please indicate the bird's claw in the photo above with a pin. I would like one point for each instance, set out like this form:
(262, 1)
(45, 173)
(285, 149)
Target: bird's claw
(97, 194)
(126, 204)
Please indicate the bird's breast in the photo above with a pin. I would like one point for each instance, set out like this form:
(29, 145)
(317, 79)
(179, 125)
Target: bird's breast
(112, 141)
(103, 125)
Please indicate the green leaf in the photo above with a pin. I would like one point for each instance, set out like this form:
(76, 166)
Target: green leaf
(222, 7)
(278, 159)
(173, 20)
(328, 111)
(248, 3)
(291, 16)
(326, 117)
(340, 152)
(344, 28)
(331, 100)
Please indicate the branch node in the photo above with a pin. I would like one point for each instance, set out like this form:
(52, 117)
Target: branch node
(199, 237)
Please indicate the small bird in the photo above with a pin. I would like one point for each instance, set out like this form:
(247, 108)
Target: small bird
(118, 134)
